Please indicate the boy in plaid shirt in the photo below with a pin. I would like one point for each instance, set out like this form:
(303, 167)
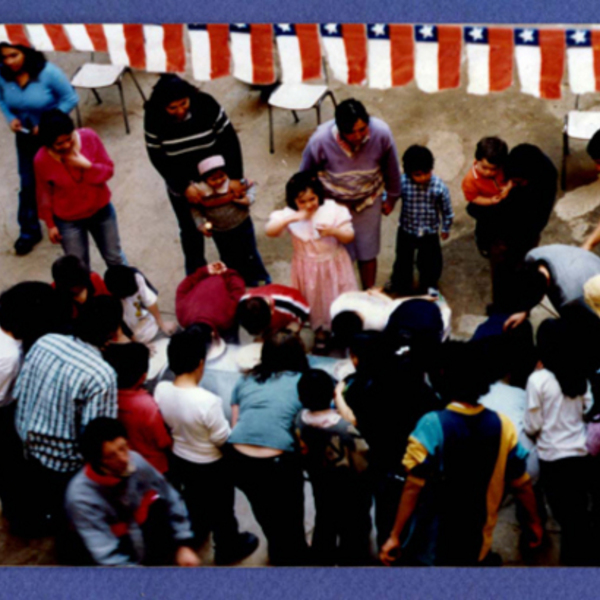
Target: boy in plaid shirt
(425, 202)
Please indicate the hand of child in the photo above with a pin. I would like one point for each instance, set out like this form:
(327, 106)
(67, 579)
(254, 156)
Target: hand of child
(193, 194)
(238, 188)
(514, 321)
(15, 125)
(217, 268)
(326, 230)
(54, 235)
(301, 215)
(206, 229)
(445, 235)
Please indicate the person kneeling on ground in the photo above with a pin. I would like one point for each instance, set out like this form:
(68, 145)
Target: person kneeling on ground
(123, 509)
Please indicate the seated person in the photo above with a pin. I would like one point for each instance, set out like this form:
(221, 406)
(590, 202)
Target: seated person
(75, 282)
(335, 456)
(558, 271)
(267, 309)
(140, 303)
(210, 295)
(138, 410)
(122, 509)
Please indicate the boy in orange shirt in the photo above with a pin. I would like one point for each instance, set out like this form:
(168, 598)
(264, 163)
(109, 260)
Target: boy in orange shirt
(485, 186)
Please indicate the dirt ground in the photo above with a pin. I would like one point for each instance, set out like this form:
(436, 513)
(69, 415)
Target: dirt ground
(449, 123)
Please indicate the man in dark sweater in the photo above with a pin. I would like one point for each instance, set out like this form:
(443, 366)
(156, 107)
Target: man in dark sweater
(182, 127)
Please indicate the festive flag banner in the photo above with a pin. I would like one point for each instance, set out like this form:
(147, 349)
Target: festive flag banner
(346, 48)
(299, 52)
(14, 34)
(437, 57)
(164, 49)
(490, 59)
(48, 38)
(87, 38)
(540, 55)
(209, 48)
(252, 52)
(126, 45)
(391, 55)
(583, 57)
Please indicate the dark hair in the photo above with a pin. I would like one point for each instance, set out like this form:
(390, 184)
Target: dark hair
(345, 325)
(169, 88)
(70, 272)
(348, 113)
(460, 374)
(98, 431)
(530, 286)
(371, 350)
(315, 389)
(419, 318)
(556, 351)
(417, 158)
(254, 315)
(33, 64)
(54, 123)
(187, 349)
(29, 310)
(282, 351)
(492, 149)
(593, 147)
(526, 161)
(130, 362)
(120, 281)
(300, 182)
(98, 320)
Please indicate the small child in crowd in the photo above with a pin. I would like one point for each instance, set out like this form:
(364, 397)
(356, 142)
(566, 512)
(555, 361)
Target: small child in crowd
(335, 457)
(199, 427)
(140, 303)
(226, 218)
(485, 186)
(425, 202)
(138, 411)
(321, 266)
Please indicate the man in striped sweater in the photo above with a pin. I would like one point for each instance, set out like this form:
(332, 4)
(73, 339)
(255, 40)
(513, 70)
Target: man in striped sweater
(182, 127)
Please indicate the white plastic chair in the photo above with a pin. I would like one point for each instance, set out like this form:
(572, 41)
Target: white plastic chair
(93, 76)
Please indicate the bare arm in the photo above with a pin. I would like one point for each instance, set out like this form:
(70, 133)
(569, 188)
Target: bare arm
(592, 240)
(167, 327)
(340, 403)
(526, 498)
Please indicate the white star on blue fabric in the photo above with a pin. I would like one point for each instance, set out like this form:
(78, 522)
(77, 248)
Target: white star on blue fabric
(476, 33)
(331, 27)
(426, 31)
(527, 35)
(284, 26)
(241, 25)
(378, 29)
(579, 36)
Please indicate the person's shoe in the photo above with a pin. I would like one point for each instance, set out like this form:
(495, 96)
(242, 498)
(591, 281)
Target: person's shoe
(24, 245)
(245, 545)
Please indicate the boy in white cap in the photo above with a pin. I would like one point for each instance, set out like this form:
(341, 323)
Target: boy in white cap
(225, 216)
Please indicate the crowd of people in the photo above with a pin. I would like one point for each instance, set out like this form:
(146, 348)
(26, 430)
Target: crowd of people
(430, 432)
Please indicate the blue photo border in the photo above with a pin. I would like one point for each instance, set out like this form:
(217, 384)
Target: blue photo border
(55, 583)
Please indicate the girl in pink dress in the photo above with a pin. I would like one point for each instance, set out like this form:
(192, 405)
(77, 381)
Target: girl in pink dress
(321, 266)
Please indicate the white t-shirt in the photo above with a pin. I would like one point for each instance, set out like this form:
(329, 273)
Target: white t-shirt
(10, 363)
(556, 419)
(196, 419)
(138, 319)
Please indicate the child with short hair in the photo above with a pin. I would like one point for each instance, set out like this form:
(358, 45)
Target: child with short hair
(140, 303)
(138, 411)
(225, 217)
(335, 457)
(485, 185)
(200, 429)
(425, 202)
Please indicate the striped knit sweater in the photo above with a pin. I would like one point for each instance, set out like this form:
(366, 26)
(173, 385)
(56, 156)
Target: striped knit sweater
(175, 148)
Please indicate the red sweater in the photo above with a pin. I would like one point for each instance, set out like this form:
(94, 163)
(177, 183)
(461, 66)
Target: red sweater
(212, 299)
(145, 427)
(72, 193)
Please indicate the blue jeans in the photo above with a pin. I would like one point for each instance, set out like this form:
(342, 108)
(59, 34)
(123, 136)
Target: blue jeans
(103, 227)
(27, 147)
(237, 249)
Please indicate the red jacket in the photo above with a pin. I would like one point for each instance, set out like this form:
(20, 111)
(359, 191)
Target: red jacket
(145, 427)
(212, 299)
(71, 193)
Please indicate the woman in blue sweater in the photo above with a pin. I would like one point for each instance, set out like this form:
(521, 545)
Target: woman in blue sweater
(29, 85)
